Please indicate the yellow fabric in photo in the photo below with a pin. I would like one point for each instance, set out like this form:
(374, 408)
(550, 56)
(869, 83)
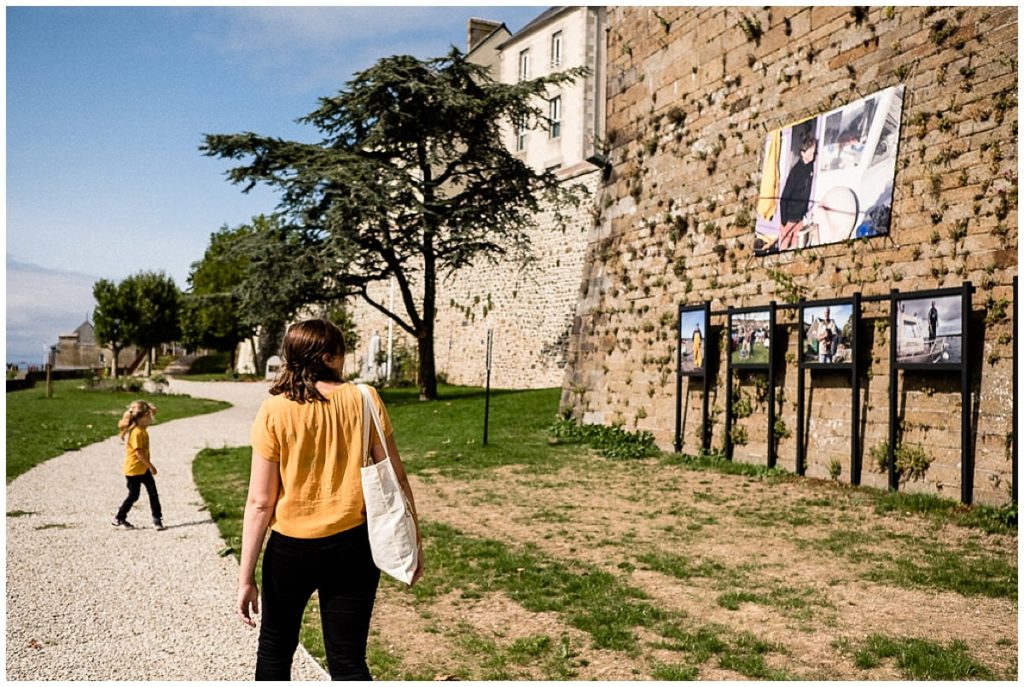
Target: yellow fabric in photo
(136, 446)
(319, 448)
(768, 196)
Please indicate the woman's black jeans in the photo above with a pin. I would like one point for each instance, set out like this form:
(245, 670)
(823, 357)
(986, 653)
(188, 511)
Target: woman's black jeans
(340, 568)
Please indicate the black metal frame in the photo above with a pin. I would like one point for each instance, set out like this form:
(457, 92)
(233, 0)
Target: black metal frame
(1013, 428)
(852, 366)
(768, 367)
(702, 372)
(964, 367)
(898, 296)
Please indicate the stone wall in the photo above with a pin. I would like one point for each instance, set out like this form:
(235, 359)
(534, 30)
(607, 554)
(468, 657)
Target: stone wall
(692, 92)
(528, 308)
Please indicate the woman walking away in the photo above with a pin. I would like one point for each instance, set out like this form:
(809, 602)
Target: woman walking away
(138, 469)
(304, 484)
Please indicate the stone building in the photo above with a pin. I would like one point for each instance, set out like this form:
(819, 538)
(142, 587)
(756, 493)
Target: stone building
(692, 95)
(528, 309)
(80, 350)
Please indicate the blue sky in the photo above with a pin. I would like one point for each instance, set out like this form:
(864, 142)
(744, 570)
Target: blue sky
(106, 108)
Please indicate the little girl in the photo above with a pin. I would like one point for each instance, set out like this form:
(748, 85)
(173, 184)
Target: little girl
(137, 467)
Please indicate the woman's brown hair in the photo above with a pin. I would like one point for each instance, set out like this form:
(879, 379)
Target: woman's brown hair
(303, 350)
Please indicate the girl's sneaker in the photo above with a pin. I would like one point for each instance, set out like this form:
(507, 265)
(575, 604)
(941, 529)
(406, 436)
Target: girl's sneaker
(123, 524)
(159, 524)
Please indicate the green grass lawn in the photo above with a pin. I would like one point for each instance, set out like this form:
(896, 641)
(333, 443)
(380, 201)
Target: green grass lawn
(443, 441)
(39, 428)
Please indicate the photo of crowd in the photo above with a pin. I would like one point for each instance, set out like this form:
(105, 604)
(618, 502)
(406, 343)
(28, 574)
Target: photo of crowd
(750, 338)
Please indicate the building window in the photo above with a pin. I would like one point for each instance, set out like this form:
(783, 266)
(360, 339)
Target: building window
(556, 49)
(524, 65)
(555, 115)
(520, 135)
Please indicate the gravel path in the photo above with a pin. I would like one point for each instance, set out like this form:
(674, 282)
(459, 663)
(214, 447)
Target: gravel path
(88, 602)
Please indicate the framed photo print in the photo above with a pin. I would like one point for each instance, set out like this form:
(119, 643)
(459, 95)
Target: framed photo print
(828, 334)
(830, 178)
(929, 330)
(750, 338)
(693, 332)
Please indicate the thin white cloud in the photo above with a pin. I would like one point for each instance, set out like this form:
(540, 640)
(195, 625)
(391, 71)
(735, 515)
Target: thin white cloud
(43, 303)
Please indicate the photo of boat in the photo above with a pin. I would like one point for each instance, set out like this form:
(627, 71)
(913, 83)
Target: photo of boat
(928, 331)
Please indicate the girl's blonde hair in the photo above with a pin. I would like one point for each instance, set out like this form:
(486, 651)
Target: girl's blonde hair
(131, 417)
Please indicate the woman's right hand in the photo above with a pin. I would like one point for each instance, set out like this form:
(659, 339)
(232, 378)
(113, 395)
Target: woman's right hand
(248, 598)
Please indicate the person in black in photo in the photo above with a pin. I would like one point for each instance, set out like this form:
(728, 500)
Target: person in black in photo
(796, 195)
(933, 323)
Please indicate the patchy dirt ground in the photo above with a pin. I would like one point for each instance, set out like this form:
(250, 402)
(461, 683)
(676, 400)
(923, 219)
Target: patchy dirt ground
(802, 571)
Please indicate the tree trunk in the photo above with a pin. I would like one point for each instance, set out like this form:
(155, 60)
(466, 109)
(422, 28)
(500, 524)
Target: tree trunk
(255, 356)
(113, 362)
(427, 367)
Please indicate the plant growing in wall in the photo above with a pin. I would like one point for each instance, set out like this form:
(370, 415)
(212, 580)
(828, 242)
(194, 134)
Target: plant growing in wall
(835, 468)
(751, 28)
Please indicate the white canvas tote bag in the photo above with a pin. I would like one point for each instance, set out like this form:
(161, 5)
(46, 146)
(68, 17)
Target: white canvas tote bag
(389, 517)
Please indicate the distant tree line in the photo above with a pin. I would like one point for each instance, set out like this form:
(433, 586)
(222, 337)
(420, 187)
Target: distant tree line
(251, 281)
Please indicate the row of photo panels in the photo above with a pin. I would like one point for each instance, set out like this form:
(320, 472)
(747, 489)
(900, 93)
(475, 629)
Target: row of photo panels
(928, 332)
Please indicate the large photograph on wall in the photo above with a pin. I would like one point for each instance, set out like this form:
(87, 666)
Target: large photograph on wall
(692, 340)
(929, 330)
(830, 178)
(828, 334)
(750, 338)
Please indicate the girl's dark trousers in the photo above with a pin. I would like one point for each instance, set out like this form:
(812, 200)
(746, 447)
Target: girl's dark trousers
(340, 568)
(135, 482)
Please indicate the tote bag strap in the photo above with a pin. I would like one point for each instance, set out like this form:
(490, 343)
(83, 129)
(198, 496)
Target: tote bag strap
(370, 412)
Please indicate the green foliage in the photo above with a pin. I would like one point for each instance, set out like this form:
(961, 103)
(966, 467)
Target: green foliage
(751, 28)
(39, 428)
(912, 461)
(781, 431)
(213, 363)
(211, 315)
(789, 291)
(142, 309)
(835, 469)
(411, 179)
(921, 659)
(738, 435)
(741, 406)
(991, 519)
(716, 462)
(610, 441)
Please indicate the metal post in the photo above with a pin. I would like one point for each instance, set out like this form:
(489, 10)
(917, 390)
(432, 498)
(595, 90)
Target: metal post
(771, 384)
(677, 444)
(855, 466)
(966, 363)
(709, 348)
(728, 386)
(391, 330)
(487, 391)
(801, 462)
(51, 354)
(893, 379)
(1013, 428)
